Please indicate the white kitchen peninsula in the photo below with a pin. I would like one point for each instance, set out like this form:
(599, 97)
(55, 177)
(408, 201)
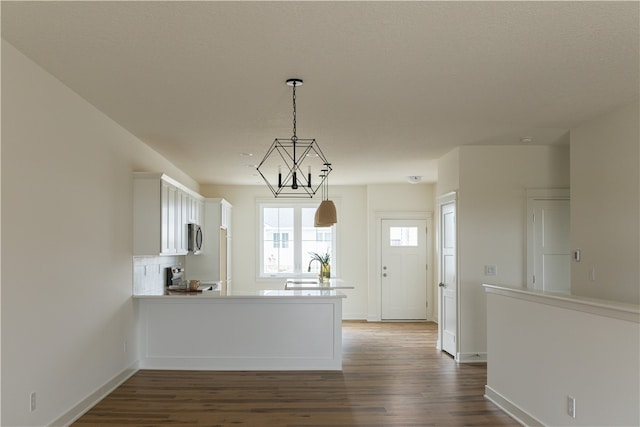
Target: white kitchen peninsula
(268, 330)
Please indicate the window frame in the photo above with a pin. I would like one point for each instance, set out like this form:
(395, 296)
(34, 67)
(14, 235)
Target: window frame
(299, 269)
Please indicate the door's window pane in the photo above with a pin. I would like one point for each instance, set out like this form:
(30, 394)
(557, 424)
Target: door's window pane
(403, 236)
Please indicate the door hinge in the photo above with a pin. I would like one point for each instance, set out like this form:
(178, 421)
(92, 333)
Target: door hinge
(533, 218)
(427, 267)
(534, 279)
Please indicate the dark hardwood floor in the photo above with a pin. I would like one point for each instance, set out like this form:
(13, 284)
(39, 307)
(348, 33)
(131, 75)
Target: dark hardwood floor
(392, 376)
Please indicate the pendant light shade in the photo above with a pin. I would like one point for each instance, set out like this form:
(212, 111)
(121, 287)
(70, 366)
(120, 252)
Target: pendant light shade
(326, 214)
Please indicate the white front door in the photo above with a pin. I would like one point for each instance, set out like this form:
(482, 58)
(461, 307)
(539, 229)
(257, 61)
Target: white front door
(549, 246)
(448, 277)
(404, 269)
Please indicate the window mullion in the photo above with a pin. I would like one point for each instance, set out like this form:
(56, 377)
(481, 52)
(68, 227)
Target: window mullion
(297, 239)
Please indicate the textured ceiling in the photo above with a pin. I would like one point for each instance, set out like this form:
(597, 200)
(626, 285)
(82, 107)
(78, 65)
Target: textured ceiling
(389, 87)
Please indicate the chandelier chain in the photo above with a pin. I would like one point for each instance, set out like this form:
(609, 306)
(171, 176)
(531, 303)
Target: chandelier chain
(294, 138)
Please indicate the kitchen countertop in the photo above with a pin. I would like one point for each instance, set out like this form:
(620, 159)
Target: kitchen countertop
(310, 284)
(271, 293)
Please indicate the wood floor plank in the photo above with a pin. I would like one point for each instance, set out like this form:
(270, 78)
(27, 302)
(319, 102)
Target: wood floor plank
(392, 376)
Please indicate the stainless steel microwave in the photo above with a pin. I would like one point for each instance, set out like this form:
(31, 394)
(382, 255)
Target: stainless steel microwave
(194, 239)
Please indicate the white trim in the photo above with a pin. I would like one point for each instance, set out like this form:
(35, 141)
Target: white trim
(510, 408)
(402, 215)
(91, 400)
(447, 198)
(606, 308)
(444, 199)
(548, 193)
(471, 357)
(164, 177)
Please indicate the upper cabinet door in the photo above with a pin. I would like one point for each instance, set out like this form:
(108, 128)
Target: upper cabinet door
(162, 208)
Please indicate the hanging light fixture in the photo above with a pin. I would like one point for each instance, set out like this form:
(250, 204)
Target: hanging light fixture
(326, 213)
(290, 163)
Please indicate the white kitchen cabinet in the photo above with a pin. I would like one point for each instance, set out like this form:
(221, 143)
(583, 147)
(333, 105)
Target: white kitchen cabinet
(195, 208)
(161, 212)
(181, 221)
(167, 213)
(214, 262)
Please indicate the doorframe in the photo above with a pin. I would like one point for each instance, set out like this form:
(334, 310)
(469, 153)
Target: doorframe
(380, 216)
(533, 194)
(440, 201)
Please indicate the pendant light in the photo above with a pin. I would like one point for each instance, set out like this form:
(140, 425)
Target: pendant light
(289, 164)
(326, 213)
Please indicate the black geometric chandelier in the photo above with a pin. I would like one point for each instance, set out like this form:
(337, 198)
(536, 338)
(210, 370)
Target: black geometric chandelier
(294, 167)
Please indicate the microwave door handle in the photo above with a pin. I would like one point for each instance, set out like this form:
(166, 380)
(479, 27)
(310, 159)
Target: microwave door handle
(199, 238)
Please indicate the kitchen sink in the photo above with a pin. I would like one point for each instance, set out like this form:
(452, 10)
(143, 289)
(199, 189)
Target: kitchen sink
(302, 281)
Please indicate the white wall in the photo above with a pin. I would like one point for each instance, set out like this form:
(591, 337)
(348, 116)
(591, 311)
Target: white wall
(448, 173)
(356, 207)
(66, 250)
(409, 198)
(0, 254)
(575, 351)
(605, 205)
(491, 221)
(543, 350)
(352, 241)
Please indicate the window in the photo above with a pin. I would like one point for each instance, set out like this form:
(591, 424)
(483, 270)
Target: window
(288, 236)
(281, 240)
(403, 236)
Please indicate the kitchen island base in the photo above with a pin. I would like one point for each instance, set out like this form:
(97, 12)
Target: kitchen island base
(278, 330)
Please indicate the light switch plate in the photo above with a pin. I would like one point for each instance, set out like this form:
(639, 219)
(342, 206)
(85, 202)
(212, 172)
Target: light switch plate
(571, 406)
(490, 270)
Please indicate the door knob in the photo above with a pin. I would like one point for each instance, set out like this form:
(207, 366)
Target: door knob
(384, 274)
(384, 267)
(442, 285)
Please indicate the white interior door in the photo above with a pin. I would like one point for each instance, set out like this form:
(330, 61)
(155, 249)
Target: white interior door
(549, 246)
(448, 278)
(404, 269)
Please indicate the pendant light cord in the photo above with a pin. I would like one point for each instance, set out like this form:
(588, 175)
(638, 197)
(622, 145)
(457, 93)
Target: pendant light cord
(294, 138)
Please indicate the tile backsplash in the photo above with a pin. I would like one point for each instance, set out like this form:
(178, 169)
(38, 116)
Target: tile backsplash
(149, 272)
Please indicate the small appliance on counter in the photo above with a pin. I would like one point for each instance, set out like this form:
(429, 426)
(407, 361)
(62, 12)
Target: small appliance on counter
(175, 277)
(176, 281)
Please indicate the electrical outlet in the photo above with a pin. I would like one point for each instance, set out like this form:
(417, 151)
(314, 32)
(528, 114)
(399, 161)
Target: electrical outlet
(32, 402)
(571, 406)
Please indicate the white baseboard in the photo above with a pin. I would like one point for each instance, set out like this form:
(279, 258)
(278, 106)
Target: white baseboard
(353, 316)
(471, 358)
(89, 402)
(511, 409)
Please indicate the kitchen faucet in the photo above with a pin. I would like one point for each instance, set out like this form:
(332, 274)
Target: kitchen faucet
(309, 268)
